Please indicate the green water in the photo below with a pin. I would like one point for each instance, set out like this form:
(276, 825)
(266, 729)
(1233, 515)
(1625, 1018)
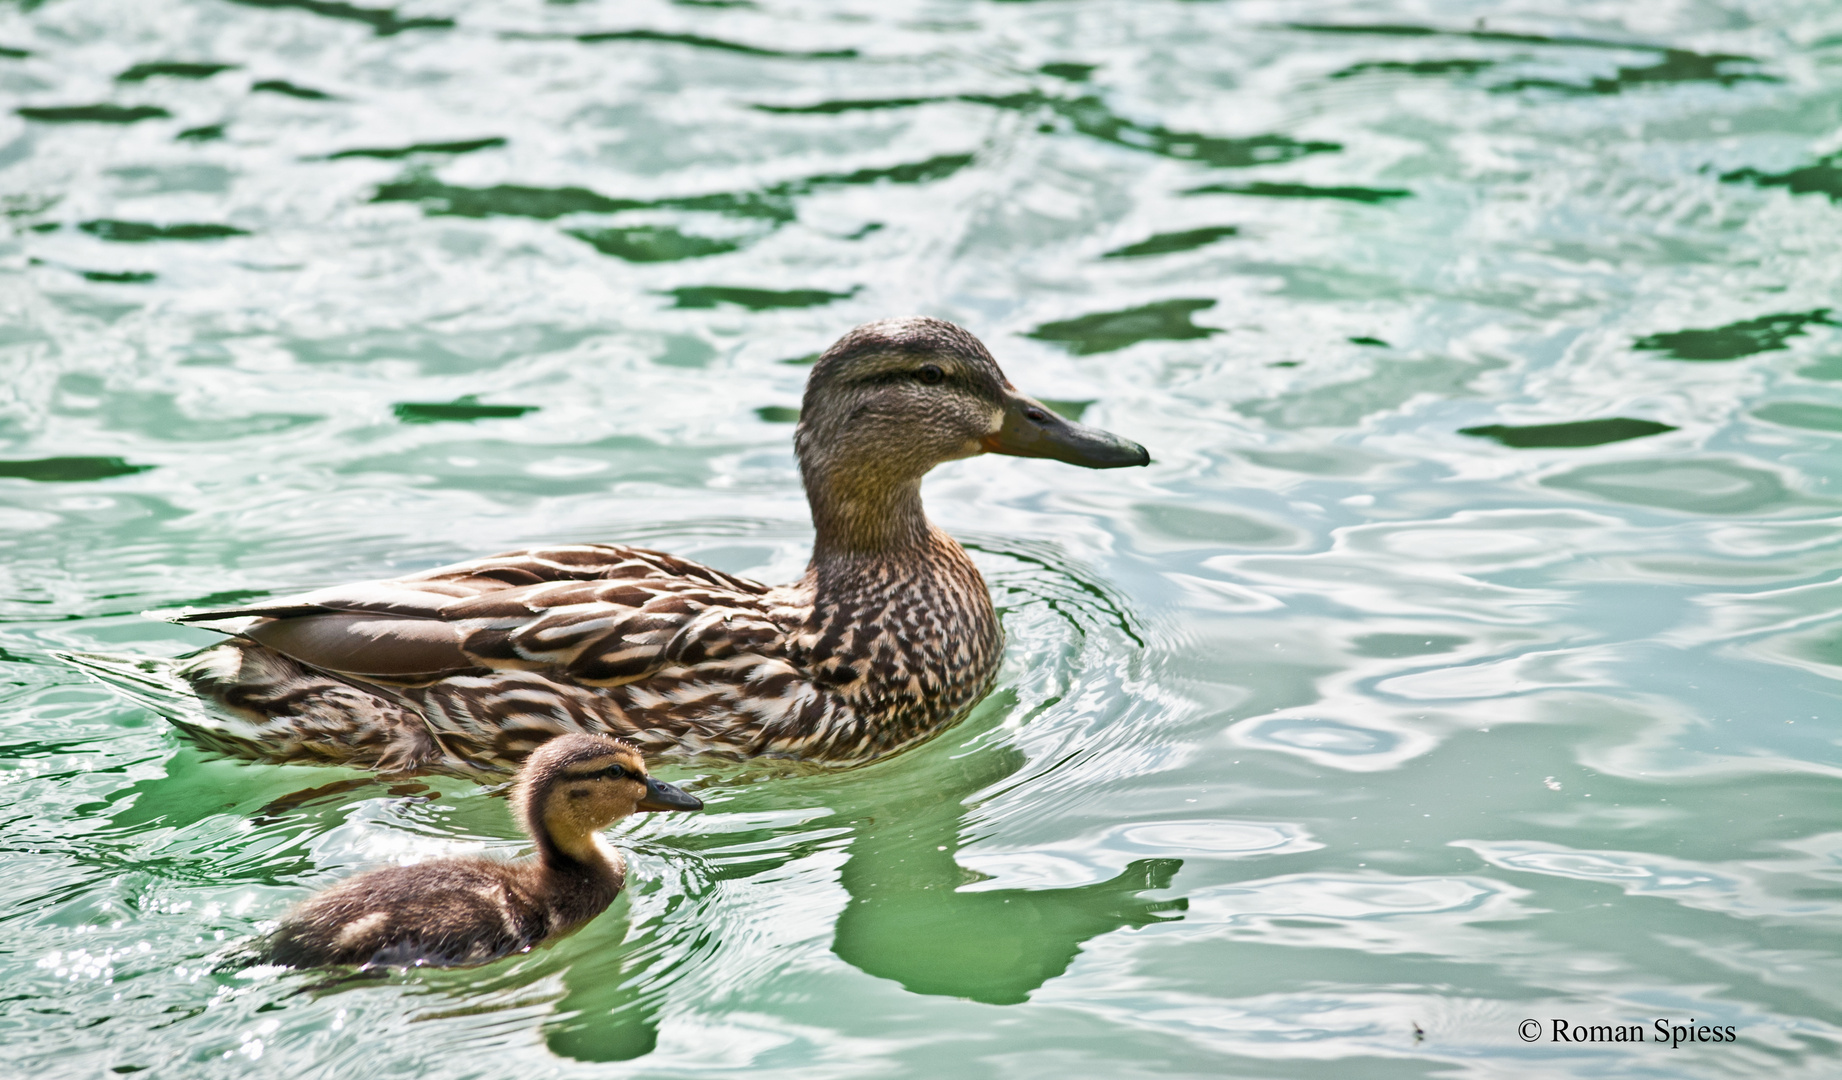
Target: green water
(1469, 654)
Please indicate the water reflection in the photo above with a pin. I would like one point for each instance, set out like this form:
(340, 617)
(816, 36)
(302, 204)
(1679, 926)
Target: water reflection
(384, 21)
(909, 920)
(1106, 331)
(1767, 333)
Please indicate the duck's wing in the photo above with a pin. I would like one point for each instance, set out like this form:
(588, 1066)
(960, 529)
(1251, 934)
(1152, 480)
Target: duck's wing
(599, 614)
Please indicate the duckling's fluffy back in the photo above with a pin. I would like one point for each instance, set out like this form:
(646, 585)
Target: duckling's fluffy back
(448, 912)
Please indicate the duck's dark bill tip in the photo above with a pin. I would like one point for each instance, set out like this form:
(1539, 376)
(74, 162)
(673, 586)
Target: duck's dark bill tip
(1031, 429)
(661, 796)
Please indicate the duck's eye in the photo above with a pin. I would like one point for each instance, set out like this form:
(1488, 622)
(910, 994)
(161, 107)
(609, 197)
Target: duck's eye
(614, 772)
(931, 374)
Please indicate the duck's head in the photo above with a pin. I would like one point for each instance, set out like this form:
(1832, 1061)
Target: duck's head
(574, 785)
(892, 399)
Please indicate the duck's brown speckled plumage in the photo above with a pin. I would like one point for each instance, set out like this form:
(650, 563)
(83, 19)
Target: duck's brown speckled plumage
(888, 637)
(460, 911)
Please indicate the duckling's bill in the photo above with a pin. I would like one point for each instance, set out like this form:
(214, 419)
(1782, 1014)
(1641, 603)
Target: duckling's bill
(1029, 428)
(662, 796)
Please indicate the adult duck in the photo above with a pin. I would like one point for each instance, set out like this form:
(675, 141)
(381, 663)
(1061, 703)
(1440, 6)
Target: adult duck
(887, 638)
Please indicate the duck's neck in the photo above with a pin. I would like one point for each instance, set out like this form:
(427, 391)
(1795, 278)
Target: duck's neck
(864, 517)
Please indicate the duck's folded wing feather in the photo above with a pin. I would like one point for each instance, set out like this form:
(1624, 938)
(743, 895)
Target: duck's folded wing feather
(599, 614)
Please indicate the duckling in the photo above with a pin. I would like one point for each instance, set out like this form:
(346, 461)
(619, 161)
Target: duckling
(461, 911)
(889, 637)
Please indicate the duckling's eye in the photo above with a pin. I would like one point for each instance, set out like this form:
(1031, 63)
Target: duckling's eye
(614, 772)
(931, 374)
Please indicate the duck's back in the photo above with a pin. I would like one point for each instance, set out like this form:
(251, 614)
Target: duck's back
(449, 912)
(471, 666)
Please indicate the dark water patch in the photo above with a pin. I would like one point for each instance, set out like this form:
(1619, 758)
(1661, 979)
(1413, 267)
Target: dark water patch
(1460, 66)
(383, 21)
(1681, 66)
(1073, 410)
(1089, 116)
(701, 42)
(1577, 433)
(653, 243)
(507, 200)
(7, 52)
(1764, 334)
(465, 409)
(119, 277)
(1167, 243)
(1264, 189)
(282, 86)
(63, 470)
(1811, 415)
(1070, 72)
(1822, 178)
(92, 114)
(46, 226)
(918, 172)
(717, 3)
(773, 204)
(395, 153)
(1375, 341)
(1475, 34)
(778, 414)
(1166, 320)
(201, 134)
(802, 361)
(1676, 66)
(829, 108)
(135, 232)
(709, 296)
(175, 69)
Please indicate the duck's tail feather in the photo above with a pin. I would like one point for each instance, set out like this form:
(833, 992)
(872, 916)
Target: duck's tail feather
(155, 683)
(249, 702)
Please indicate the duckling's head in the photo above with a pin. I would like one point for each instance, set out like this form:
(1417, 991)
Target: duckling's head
(893, 399)
(576, 784)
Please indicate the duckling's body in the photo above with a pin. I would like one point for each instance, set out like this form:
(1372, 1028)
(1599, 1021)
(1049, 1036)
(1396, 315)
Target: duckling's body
(888, 637)
(460, 911)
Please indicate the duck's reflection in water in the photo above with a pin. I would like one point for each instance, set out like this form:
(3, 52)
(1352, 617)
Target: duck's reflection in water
(906, 919)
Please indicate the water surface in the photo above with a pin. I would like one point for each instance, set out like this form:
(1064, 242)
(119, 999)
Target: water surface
(1468, 655)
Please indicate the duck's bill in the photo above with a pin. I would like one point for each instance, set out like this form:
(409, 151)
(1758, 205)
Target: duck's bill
(1032, 429)
(662, 796)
